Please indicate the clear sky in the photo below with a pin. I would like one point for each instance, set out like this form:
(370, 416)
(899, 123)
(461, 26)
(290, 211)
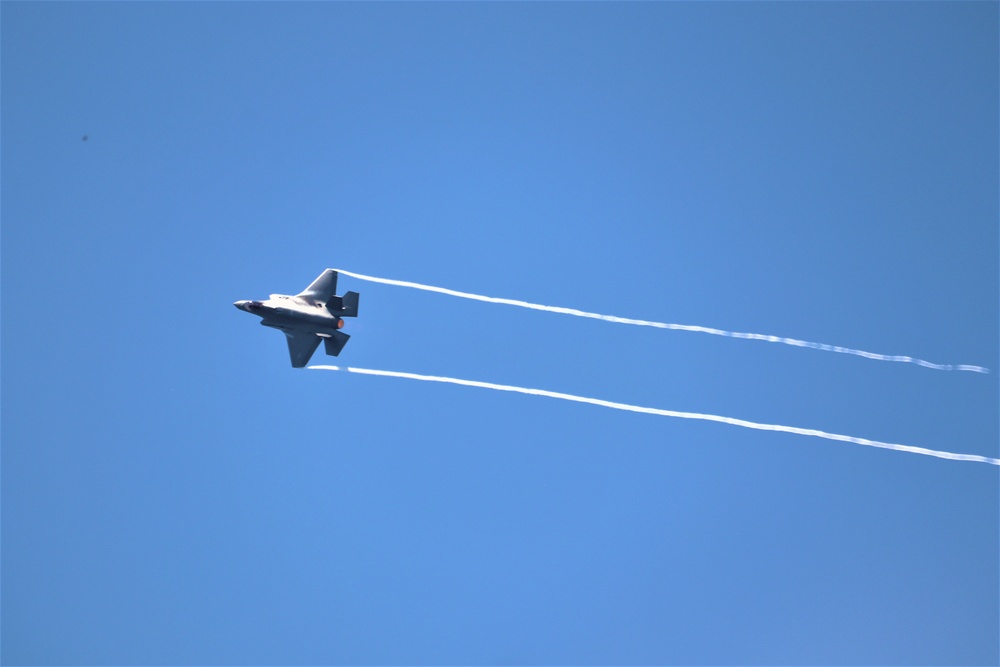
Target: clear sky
(173, 492)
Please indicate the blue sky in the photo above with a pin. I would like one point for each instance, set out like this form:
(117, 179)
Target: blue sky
(173, 492)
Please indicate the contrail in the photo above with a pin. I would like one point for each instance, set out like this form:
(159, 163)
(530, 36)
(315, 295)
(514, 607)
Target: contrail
(677, 327)
(670, 413)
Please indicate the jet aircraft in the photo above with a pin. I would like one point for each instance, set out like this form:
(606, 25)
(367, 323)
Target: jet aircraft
(308, 317)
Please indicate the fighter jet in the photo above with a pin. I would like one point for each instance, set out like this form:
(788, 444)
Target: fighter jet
(308, 317)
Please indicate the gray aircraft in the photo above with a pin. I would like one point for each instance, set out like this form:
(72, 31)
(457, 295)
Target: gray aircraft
(308, 317)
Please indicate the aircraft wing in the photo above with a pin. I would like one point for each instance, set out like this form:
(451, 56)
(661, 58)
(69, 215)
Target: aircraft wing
(322, 288)
(301, 347)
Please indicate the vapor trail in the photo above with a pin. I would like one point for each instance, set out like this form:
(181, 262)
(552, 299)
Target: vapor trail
(663, 325)
(669, 413)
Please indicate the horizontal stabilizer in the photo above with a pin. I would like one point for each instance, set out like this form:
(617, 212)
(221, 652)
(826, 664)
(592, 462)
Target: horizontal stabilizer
(344, 306)
(335, 343)
(350, 305)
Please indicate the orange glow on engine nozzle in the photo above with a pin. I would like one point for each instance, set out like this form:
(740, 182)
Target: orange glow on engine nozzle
(340, 323)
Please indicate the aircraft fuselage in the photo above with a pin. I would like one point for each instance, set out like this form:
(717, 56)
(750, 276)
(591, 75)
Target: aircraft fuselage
(292, 313)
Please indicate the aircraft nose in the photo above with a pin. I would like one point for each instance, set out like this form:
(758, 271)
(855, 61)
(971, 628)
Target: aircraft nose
(249, 306)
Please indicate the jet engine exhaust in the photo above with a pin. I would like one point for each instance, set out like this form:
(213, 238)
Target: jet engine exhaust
(670, 413)
(676, 327)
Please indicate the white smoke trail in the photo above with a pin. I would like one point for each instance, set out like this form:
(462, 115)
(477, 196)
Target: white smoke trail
(669, 413)
(663, 325)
